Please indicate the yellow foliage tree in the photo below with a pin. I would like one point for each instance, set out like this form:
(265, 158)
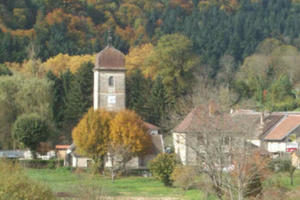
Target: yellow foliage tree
(128, 130)
(138, 59)
(62, 62)
(91, 135)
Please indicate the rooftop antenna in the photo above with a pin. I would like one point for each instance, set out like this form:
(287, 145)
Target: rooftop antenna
(109, 38)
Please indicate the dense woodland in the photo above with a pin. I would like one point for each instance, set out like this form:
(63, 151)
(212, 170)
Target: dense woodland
(238, 52)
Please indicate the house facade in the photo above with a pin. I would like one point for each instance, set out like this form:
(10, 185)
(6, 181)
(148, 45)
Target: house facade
(277, 132)
(274, 133)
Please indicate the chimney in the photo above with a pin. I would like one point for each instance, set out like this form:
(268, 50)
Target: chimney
(262, 118)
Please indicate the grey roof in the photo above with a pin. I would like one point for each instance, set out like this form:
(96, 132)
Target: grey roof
(12, 154)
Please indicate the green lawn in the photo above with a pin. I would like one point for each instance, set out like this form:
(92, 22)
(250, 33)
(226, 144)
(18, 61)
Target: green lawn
(284, 180)
(62, 180)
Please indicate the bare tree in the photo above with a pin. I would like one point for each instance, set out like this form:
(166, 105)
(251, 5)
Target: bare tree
(118, 156)
(223, 152)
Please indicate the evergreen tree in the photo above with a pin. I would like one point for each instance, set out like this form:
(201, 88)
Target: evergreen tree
(58, 96)
(157, 102)
(4, 70)
(137, 92)
(80, 97)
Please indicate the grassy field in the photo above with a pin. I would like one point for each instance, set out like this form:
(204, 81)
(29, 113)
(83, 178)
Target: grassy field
(283, 179)
(63, 181)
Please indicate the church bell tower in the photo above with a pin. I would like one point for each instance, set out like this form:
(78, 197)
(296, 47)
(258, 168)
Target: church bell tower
(109, 79)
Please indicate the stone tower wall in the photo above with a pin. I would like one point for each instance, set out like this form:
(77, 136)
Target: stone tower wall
(110, 98)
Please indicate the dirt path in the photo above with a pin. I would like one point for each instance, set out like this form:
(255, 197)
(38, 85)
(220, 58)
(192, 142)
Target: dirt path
(141, 198)
(71, 196)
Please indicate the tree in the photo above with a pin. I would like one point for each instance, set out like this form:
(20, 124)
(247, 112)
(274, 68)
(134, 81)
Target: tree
(80, 96)
(129, 132)
(234, 166)
(137, 92)
(30, 130)
(163, 166)
(270, 76)
(157, 102)
(19, 95)
(138, 57)
(91, 135)
(175, 60)
(4, 70)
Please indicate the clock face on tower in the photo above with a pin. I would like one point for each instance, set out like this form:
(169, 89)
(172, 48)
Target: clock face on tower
(111, 100)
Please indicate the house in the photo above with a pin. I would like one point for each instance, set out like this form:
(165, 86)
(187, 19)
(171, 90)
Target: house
(184, 136)
(279, 137)
(73, 159)
(61, 151)
(276, 132)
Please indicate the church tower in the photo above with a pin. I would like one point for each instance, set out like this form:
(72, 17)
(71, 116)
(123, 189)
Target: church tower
(109, 79)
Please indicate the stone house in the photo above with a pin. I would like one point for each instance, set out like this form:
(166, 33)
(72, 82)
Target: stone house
(276, 132)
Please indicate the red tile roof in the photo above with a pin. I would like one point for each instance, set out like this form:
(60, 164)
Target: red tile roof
(150, 126)
(191, 122)
(285, 126)
(62, 146)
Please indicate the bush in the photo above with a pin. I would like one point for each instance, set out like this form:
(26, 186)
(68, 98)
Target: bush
(163, 166)
(279, 165)
(184, 177)
(40, 164)
(15, 185)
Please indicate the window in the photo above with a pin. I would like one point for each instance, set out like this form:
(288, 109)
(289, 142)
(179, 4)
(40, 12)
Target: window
(111, 81)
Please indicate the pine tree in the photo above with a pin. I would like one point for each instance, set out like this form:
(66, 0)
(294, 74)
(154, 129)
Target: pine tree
(80, 97)
(157, 102)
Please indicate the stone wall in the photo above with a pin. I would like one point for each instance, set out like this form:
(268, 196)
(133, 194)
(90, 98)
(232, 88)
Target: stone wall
(109, 97)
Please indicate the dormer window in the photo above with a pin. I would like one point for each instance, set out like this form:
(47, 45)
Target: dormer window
(111, 81)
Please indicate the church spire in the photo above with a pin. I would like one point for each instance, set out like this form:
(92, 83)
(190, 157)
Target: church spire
(109, 38)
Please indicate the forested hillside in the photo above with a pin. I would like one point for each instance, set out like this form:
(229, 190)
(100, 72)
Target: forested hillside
(246, 52)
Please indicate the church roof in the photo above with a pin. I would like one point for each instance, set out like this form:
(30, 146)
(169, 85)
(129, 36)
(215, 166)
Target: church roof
(110, 58)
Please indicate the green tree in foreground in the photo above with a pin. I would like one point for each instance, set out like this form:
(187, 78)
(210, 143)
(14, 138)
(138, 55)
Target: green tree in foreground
(30, 130)
(163, 166)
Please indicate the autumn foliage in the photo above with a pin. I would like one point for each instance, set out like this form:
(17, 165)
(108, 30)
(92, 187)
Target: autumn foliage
(101, 130)
(128, 129)
(91, 135)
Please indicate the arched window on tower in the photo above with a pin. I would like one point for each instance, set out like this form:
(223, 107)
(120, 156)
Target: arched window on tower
(111, 81)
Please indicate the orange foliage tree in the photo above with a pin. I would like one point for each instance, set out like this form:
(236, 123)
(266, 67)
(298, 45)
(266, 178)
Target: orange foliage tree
(91, 135)
(128, 130)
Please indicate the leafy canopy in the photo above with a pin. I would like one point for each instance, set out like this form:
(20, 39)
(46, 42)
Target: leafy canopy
(30, 130)
(91, 135)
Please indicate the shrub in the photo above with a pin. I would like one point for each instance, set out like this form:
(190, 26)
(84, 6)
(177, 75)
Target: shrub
(15, 185)
(254, 185)
(184, 177)
(163, 166)
(40, 164)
